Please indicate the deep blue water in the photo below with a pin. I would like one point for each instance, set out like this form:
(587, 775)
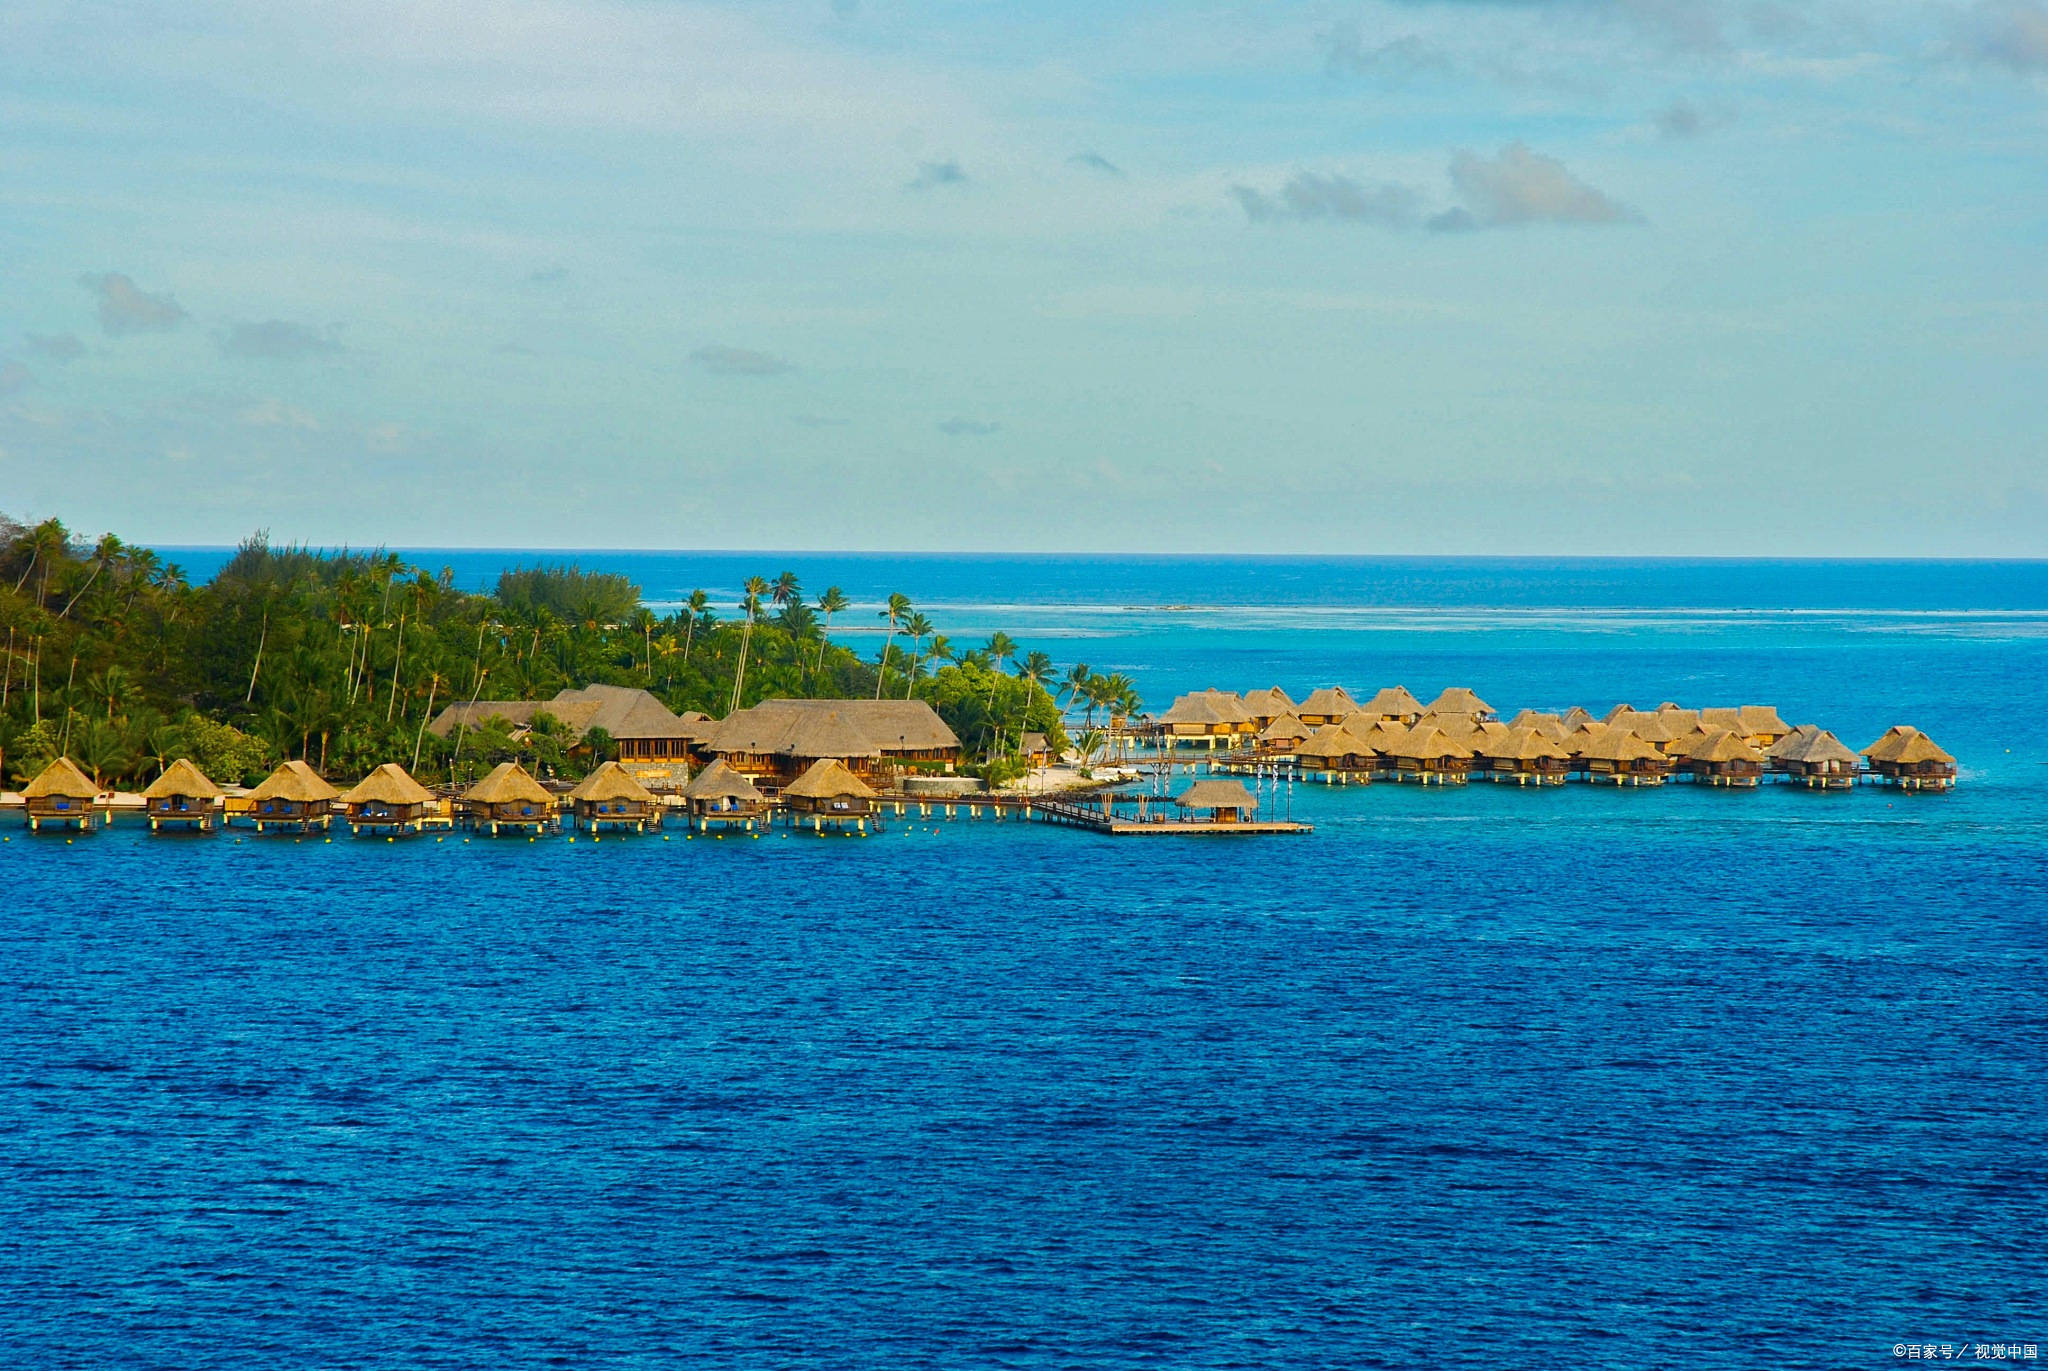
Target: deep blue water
(1576, 1078)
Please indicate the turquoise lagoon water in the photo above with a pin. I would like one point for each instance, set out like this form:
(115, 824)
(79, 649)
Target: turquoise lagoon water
(1677, 1077)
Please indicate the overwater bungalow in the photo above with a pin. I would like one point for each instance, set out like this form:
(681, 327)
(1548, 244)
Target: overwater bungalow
(1907, 758)
(1426, 753)
(1723, 758)
(1459, 700)
(1218, 802)
(1393, 702)
(508, 799)
(1653, 727)
(1328, 705)
(182, 797)
(1619, 711)
(1582, 737)
(1759, 724)
(62, 796)
(1525, 756)
(1814, 758)
(1206, 717)
(1681, 721)
(720, 797)
(1283, 735)
(388, 801)
(1379, 736)
(1336, 755)
(1268, 705)
(1576, 717)
(610, 797)
(776, 741)
(292, 797)
(1620, 756)
(829, 794)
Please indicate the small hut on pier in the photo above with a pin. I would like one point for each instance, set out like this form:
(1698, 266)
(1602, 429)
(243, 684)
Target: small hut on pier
(1815, 758)
(1337, 755)
(508, 798)
(1268, 706)
(829, 794)
(1328, 705)
(388, 801)
(1283, 735)
(1723, 758)
(1426, 753)
(1218, 802)
(1907, 758)
(1393, 702)
(62, 796)
(1524, 755)
(723, 798)
(293, 797)
(1620, 756)
(182, 797)
(610, 797)
(1582, 737)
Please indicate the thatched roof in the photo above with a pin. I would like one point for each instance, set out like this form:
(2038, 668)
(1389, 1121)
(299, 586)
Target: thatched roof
(828, 779)
(1682, 721)
(508, 784)
(1906, 745)
(1208, 708)
(787, 727)
(1813, 745)
(1393, 702)
(720, 782)
(297, 783)
(1285, 729)
(1329, 702)
(1269, 703)
(1576, 715)
(1722, 717)
(1378, 736)
(1459, 700)
(610, 784)
(388, 784)
(621, 711)
(1332, 741)
(1762, 719)
(1521, 745)
(1617, 745)
(1428, 743)
(1722, 746)
(1651, 728)
(182, 778)
(1550, 726)
(1579, 740)
(1217, 794)
(61, 779)
(1615, 713)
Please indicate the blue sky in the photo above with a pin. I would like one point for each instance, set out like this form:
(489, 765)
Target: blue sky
(1417, 276)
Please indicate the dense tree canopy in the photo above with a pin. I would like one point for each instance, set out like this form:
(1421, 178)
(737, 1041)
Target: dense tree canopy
(342, 658)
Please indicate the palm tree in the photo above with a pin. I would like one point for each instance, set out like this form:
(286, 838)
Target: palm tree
(643, 619)
(1075, 684)
(1034, 672)
(919, 628)
(1000, 650)
(1088, 745)
(897, 611)
(786, 591)
(698, 605)
(830, 603)
(755, 588)
(46, 542)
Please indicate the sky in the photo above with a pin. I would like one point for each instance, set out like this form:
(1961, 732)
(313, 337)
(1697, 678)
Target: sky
(1698, 277)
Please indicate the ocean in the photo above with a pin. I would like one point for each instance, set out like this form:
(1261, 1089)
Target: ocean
(1676, 1077)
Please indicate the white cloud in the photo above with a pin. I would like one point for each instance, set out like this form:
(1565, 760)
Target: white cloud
(126, 308)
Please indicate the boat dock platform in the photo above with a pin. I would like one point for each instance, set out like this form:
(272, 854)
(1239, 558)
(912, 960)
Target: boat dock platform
(1138, 816)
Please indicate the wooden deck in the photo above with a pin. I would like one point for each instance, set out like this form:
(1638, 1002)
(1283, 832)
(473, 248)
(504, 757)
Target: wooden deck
(1160, 821)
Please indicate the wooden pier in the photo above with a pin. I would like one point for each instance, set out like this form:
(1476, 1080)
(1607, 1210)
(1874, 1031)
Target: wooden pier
(1157, 818)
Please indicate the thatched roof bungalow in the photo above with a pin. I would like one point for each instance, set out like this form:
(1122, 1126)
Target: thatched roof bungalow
(1205, 716)
(1268, 705)
(829, 793)
(1723, 758)
(508, 798)
(1328, 705)
(388, 799)
(182, 796)
(1427, 754)
(1393, 702)
(1523, 755)
(1815, 758)
(777, 740)
(1219, 801)
(1908, 758)
(1619, 755)
(1335, 754)
(293, 796)
(610, 797)
(1283, 735)
(1459, 700)
(720, 795)
(1576, 717)
(1655, 728)
(1551, 726)
(62, 796)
